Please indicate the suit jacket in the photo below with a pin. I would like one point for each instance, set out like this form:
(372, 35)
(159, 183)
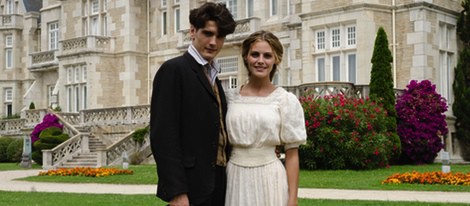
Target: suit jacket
(184, 122)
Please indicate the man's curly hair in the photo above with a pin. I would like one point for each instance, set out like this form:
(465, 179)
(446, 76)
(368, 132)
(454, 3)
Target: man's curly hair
(213, 12)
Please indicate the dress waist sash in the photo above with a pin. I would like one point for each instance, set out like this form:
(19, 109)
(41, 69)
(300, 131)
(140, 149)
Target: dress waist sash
(252, 157)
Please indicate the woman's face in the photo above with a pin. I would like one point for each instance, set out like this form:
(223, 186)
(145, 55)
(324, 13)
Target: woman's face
(260, 60)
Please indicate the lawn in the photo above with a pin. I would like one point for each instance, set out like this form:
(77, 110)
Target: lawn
(58, 199)
(339, 179)
(145, 174)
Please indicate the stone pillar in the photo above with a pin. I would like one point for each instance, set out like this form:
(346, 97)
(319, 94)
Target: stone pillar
(26, 156)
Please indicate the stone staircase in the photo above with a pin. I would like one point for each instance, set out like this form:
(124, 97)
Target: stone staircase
(86, 159)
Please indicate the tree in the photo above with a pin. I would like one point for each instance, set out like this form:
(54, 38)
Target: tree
(381, 84)
(461, 84)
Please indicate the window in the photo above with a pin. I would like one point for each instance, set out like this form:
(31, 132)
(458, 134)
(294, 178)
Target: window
(352, 68)
(76, 88)
(351, 35)
(164, 23)
(163, 3)
(229, 71)
(9, 7)
(228, 64)
(320, 40)
(334, 60)
(321, 69)
(335, 38)
(273, 7)
(231, 6)
(94, 25)
(177, 20)
(447, 51)
(53, 35)
(9, 51)
(249, 8)
(229, 82)
(50, 95)
(8, 95)
(95, 6)
(336, 71)
(94, 17)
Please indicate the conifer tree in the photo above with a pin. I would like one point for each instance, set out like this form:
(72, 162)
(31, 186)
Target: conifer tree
(461, 84)
(381, 84)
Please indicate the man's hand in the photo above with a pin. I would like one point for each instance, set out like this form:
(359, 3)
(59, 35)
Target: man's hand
(180, 200)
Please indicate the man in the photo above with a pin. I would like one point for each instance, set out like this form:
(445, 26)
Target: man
(188, 108)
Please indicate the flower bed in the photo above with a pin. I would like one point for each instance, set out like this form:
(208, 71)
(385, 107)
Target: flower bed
(414, 177)
(86, 171)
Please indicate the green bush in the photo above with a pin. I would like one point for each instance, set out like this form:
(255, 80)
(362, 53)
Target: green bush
(139, 134)
(345, 133)
(32, 106)
(48, 139)
(15, 150)
(4, 142)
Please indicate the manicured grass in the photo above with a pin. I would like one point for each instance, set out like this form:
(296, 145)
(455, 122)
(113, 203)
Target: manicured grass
(72, 199)
(339, 179)
(371, 179)
(143, 174)
(16, 166)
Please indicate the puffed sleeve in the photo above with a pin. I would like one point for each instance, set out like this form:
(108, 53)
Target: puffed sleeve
(293, 132)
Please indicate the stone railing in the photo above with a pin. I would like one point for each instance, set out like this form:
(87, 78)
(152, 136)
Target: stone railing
(114, 152)
(11, 20)
(33, 117)
(120, 115)
(77, 143)
(11, 126)
(40, 58)
(319, 89)
(86, 44)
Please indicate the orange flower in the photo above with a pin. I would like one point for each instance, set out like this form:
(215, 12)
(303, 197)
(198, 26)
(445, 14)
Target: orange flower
(86, 171)
(414, 177)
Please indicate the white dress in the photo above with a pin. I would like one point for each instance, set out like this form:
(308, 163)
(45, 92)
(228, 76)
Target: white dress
(255, 125)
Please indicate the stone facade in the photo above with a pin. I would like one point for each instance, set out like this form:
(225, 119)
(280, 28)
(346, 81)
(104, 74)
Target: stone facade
(89, 54)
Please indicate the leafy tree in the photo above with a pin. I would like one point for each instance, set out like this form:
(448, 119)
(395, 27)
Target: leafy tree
(381, 84)
(461, 83)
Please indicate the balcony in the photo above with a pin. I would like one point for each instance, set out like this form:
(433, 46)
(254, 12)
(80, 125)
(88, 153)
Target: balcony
(40, 61)
(244, 28)
(86, 44)
(11, 21)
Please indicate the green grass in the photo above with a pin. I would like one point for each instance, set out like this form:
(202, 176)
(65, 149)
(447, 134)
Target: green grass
(145, 174)
(339, 179)
(72, 199)
(16, 166)
(371, 179)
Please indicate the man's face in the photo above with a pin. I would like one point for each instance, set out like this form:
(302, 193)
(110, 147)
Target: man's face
(206, 40)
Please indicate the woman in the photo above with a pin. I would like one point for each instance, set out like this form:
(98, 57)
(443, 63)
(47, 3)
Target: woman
(260, 116)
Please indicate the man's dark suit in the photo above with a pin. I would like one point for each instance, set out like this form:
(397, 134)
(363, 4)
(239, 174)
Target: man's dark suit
(185, 127)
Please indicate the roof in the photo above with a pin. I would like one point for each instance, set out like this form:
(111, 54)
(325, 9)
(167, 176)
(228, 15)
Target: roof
(32, 5)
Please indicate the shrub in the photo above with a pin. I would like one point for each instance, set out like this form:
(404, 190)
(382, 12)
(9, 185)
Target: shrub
(15, 150)
(344, 133)
(4, 142)
(139, 134)
(48, 139)
(32, 106)
(421, 120)
(49, 120)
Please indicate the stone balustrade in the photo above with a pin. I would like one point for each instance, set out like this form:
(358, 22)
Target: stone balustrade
(86, 44)
(11, 21)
